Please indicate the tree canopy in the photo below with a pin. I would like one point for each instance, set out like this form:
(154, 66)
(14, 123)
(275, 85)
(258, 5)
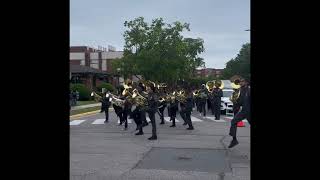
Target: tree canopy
(159, 52)
(239, 65)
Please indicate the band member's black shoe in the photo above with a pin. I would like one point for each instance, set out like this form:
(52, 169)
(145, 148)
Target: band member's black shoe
(101, 111)
(139, 133)
(217, 119)
(162, 123)
(233, 143)
(190, 128)
(153, 138)
(145, 124)
(137, 128)
(173, 126)
(184, 123)
(106, 121)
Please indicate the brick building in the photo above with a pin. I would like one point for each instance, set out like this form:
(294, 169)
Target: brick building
(206, 72)
(92, 66)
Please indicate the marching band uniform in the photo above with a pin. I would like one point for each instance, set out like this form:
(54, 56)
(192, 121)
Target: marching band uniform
(105, 104)
(173, 108)
(152, 109)
(161, 108)
(244, 113)
(202, 100)
(217, 94)
(186, 110)
(182, 113)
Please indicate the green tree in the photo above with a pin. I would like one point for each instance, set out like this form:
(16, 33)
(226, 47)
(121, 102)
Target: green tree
(239, 65)
(158, 51)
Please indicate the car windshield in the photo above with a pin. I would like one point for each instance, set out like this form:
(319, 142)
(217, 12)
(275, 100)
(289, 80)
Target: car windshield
(227, 93)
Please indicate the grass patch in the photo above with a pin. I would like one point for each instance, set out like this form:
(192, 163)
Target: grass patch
(79, 111)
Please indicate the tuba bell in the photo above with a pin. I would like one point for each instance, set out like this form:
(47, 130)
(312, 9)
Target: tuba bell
(196, 93)
(210, 86)
(139, 99)
(181, 96)
(235, 84)
(236, 93)
(219, 84)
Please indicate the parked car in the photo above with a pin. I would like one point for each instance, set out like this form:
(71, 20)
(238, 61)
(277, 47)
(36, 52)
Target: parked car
(225, 99)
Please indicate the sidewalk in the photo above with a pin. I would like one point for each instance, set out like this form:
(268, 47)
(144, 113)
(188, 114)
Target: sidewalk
(85, 106)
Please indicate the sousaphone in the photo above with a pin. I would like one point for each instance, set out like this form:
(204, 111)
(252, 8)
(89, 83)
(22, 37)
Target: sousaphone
(235, 84)
(219, 84)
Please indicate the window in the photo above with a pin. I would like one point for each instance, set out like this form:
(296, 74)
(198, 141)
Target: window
(94, 63)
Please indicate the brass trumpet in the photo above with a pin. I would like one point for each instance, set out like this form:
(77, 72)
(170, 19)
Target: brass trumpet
(96, 96)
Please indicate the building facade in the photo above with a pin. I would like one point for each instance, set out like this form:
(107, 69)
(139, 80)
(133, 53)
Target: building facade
(209, 72)
(92, 66)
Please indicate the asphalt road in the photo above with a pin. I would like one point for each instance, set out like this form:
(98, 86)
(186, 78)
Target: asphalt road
(106, 151)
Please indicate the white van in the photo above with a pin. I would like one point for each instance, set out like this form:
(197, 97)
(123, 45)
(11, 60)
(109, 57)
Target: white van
(225, 99)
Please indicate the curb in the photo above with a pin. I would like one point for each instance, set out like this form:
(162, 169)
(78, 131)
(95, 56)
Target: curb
(86, 113)
(83, 114)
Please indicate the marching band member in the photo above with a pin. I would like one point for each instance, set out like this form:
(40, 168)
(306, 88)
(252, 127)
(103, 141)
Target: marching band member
(202, 100)
(162, 106)
(105, 104)
(217, 94)
(173, 108)
(187, 109)
(244, 113)
(152, 109)
(235, 96)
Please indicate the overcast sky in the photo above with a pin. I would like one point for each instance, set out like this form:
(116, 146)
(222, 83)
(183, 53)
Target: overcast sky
(221, 23)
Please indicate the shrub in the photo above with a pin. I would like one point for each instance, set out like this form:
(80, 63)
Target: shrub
(107, 86)
(84, 92)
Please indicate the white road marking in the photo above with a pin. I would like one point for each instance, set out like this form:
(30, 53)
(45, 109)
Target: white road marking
(168, 119)
(148, 119)
(99, 121)
(213, 119)
(76, 122)
(129, 121)
(194, 119)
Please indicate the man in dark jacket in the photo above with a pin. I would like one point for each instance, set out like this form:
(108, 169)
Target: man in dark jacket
(244, 113)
